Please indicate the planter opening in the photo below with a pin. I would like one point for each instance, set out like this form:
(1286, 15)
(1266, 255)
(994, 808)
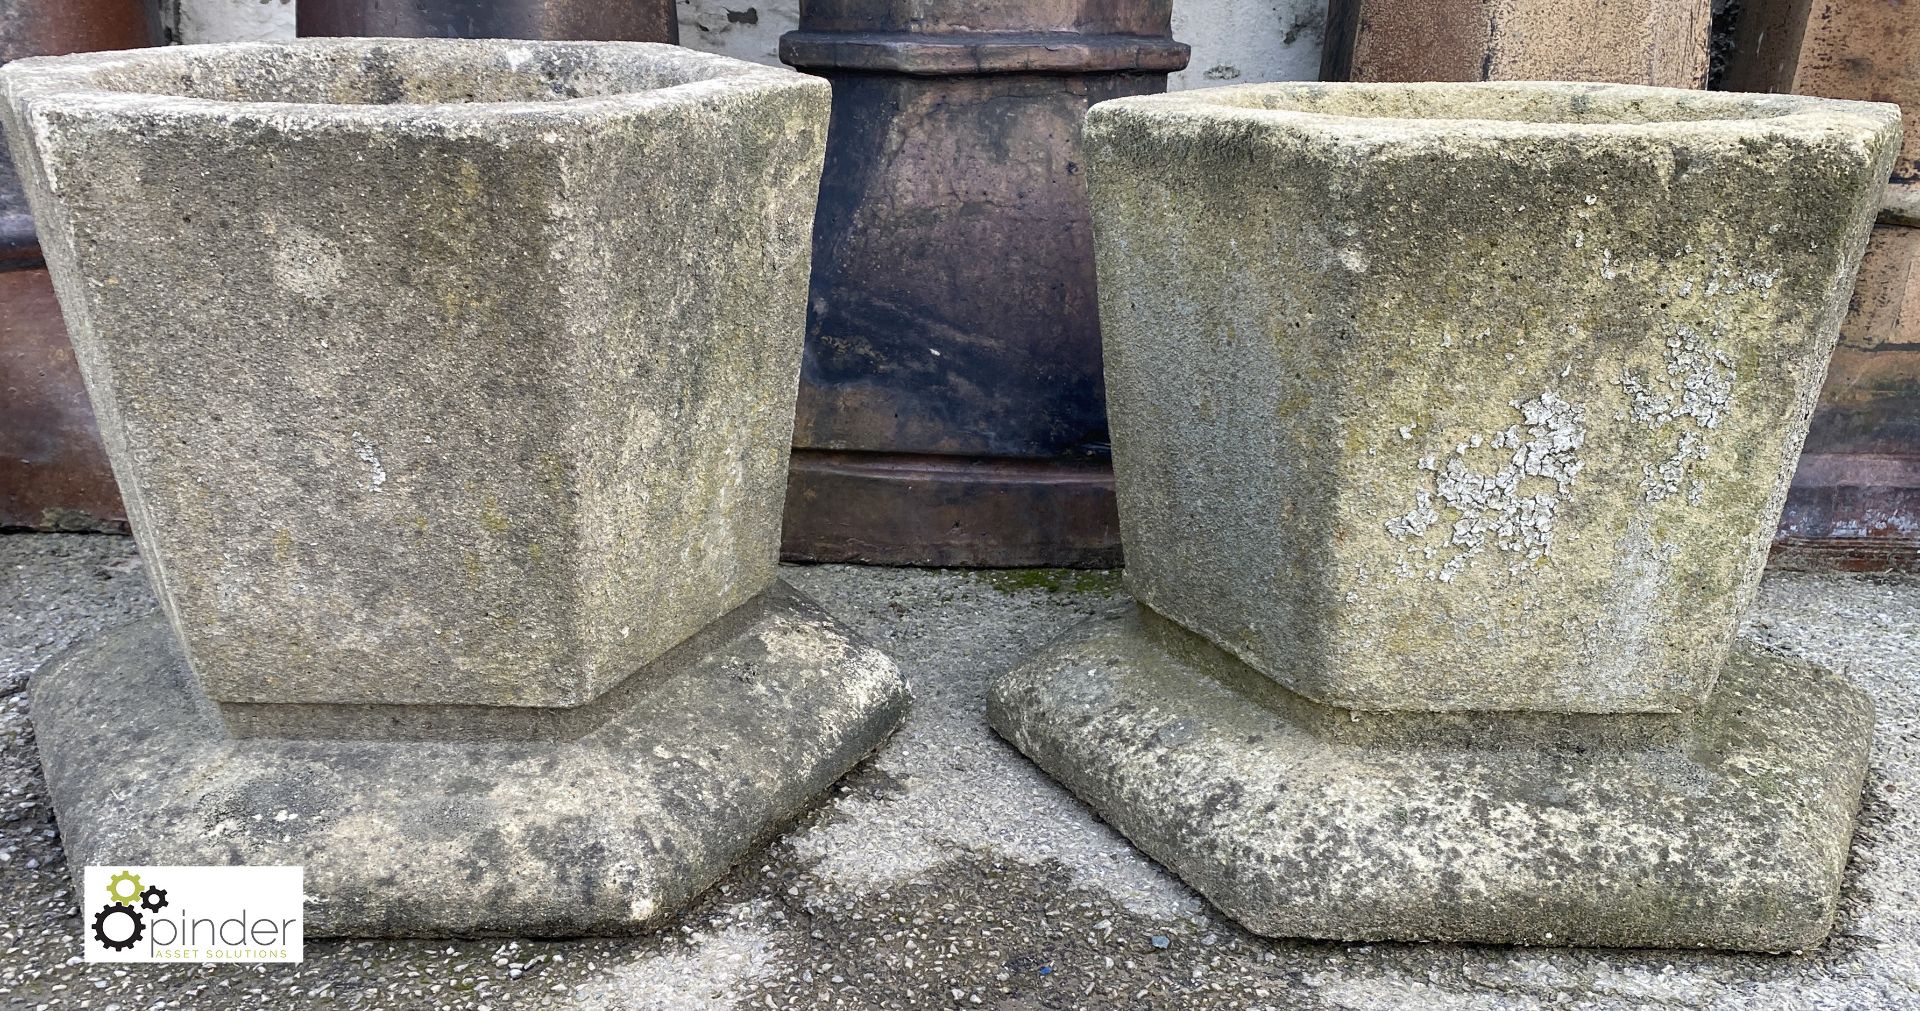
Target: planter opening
(1508, 103)
(383, 72)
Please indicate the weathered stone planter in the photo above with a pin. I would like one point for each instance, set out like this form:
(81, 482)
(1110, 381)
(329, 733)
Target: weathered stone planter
(450, 385)
(1453, 481)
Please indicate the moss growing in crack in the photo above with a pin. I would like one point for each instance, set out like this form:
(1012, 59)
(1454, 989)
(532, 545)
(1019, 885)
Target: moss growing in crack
(1102, 581)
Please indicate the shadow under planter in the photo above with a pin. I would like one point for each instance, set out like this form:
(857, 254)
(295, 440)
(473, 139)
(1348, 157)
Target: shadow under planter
(1443, 500)
(454, 426)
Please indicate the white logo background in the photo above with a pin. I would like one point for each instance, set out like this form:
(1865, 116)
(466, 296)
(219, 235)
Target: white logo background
(132, 913)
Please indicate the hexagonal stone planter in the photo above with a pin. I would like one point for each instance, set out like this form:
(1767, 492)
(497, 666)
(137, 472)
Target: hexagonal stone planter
(450, 385)
(1460, 416)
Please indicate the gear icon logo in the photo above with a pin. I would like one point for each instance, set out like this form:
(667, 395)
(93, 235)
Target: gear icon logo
(127, 895)
(137, 926)
(121, 922)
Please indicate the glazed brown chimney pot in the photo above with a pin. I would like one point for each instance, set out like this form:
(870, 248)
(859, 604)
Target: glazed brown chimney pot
(951, 404)
(53, 472)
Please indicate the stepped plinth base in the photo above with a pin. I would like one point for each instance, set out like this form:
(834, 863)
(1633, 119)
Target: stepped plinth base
(715, 747)
(1728, 829)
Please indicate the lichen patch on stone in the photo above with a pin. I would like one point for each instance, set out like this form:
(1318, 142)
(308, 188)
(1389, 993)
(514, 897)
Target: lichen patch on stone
(1688, 396)
(376, 473)
(1510, 506)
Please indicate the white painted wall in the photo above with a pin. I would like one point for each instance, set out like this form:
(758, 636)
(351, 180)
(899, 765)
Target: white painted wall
(743, 29)
(227, 20)
(1247, 41)
(1234, 41)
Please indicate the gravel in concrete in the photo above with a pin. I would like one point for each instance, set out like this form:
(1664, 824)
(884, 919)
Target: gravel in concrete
(948, 872)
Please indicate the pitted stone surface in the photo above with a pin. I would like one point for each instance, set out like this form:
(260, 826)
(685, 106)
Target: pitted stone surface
(735, 732)
(1469, 397)
(435, 372)
(1734, 838)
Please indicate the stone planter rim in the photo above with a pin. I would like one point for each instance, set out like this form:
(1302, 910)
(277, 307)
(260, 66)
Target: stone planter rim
(1732, 115)
(84, 81)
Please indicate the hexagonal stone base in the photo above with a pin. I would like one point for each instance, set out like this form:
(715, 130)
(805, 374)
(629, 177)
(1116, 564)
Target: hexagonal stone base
(1728, 831)
(721, 743)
